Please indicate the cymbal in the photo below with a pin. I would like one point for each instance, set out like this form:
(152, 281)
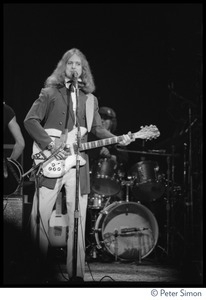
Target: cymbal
(161, 152)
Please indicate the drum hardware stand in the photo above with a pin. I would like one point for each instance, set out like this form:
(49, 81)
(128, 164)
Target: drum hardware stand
(128, 183)
(93, 252)
(116, 244)
(188, 190)
(170, 223)
(108, 200)
(172, 220)
(188, 197)
(168, 208)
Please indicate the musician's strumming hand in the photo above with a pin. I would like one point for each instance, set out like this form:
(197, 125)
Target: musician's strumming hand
(61, 154)
(127, 139)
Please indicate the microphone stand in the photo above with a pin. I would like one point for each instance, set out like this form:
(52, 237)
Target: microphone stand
(168, 208)
(76, 211)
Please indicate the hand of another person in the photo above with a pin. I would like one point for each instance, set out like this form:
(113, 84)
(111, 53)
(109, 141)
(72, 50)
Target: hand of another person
(127, 139)
(114, 158)
(104, 152)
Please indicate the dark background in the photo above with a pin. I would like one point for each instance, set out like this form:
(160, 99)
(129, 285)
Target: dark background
(136, 51)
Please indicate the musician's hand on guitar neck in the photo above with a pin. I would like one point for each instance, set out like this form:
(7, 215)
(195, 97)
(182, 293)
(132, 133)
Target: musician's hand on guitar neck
(127, 139)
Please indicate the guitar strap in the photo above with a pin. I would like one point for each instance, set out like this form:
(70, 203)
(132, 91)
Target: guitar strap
(63, 137)
(89, 111)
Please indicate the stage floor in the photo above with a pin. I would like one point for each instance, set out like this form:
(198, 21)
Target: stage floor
(154, 270)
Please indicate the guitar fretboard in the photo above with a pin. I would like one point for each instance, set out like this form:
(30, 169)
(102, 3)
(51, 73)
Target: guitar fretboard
(101, 143)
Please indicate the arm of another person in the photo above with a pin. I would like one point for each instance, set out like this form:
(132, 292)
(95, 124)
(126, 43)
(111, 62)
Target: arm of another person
(18, 137)
(101, 132)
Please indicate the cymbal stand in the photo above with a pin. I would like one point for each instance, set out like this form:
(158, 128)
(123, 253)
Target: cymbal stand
(168, 207)
(172, 202)
(93, 253)
(188, 187)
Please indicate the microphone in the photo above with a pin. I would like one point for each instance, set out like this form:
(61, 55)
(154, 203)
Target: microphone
(75, 78)
(157, 151)
(74, 75)
(129, 230)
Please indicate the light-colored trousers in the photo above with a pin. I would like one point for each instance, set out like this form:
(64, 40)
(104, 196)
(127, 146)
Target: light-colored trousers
(47, 199)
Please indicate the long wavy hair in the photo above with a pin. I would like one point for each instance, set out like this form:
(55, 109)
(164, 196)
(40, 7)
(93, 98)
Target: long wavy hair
(57, 78)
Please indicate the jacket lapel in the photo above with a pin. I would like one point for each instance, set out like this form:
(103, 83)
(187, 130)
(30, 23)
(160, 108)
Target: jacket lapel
(81, 104)
(63, 92)
(68, 102)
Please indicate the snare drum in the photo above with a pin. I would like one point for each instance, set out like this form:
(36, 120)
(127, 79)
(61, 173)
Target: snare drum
(96, 201)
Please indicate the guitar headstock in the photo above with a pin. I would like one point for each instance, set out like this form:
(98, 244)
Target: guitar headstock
(148, 132)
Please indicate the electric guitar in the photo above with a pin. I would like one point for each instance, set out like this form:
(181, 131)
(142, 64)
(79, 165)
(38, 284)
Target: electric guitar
(58, 225)
(54, 168)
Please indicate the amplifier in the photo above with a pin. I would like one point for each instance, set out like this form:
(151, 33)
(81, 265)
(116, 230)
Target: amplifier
(13, 212)
(15, 172)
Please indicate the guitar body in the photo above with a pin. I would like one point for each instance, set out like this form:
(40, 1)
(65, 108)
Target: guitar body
(58, 225)
(58, 230)
(14, 176)
(57, 168)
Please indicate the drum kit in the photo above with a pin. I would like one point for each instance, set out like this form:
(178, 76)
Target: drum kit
(120, 223)
(122, 228)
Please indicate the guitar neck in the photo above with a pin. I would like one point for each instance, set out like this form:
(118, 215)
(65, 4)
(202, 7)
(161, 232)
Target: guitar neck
(101, 143)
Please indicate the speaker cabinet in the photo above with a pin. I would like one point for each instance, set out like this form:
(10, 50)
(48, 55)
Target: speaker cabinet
(13, 213)
(14, 169)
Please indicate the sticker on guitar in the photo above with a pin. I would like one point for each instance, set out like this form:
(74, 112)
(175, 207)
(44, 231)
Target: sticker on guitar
(54, 168)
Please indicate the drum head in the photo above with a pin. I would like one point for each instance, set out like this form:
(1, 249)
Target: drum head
(128, 230)
(106, 186)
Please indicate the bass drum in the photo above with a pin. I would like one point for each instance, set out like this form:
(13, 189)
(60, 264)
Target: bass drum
(14, 176)
(127, 230)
